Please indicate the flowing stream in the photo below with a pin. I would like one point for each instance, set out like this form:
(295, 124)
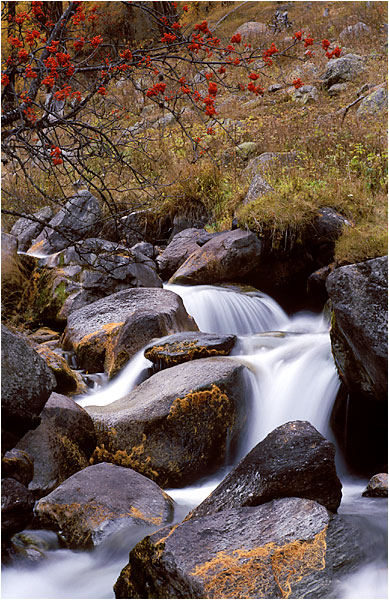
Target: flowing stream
(291, 376)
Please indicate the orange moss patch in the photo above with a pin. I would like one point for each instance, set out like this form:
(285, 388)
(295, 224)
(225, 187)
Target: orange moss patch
(213, 397)
(252, 573)
(136, 459)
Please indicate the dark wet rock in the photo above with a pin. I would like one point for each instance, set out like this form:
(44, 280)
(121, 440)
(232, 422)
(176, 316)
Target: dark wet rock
(26, 384)
(84, 508)
(178, 425)
(358, 294)
(290, 547)
(323, 232)
(17, 506)
(226, 257)
(26, 230)
(294, 460)
(377, 486)
(17, 465)
(61, 445)
(80, 217)
(182, 347)
(180, 248)
(107, 333)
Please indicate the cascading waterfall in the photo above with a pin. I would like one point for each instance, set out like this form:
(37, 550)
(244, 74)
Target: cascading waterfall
(291, 375)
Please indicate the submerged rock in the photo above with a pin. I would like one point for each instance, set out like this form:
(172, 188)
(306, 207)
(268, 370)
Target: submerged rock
(107, 333)
(177, 426)
(291, 547)
(85, 509)
(182, 347)
(61, 445)
(26, 385)
(293, 460)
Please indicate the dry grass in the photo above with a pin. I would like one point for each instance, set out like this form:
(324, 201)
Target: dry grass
(340, 164)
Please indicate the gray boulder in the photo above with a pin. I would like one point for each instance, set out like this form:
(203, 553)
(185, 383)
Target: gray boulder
(80, 217)
(107, 333)
(345, 68)
(26, 230)
(182, 347)
(359, 327)
(226, 257)
(178, 425)
(60, 446)
(26, 385)
(294, 460)
(182, 245)
(85, 509)
(290, 547)
(258, 187)
(252, 29)
(354, 31)
(270, 160)
(374, 103)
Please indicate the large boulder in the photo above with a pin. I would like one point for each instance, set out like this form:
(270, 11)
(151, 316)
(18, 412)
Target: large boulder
(226, 257)
(80, 217)
(180, 248)
(107, 333)
(293, 460)
(358, 294)
(252, 30)
(359, 327)
(182, 347)
(60, 446)
(345, 68)
(26, 230)
(99, 499)
(26, 385)
(374, 103)
(290, 547)
(177, 426)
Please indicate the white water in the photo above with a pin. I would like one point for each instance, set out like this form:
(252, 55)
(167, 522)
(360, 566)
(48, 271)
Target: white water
(292, 377)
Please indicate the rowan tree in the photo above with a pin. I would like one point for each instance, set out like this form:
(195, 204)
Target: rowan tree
(65, 116)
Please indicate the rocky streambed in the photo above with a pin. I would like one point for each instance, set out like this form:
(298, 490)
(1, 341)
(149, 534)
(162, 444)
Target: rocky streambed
(209, 456)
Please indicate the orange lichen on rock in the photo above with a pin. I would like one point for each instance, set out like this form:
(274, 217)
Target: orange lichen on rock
(253, 573)
(213, 397)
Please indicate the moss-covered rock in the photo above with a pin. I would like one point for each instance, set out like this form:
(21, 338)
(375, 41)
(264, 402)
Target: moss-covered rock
(107, 333)
(182, 347)
(290, 547)
(178, 425)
